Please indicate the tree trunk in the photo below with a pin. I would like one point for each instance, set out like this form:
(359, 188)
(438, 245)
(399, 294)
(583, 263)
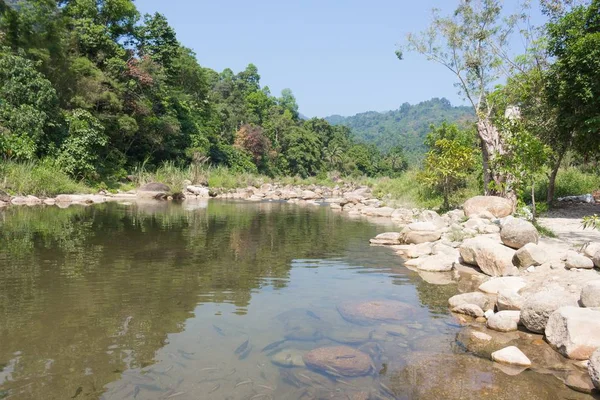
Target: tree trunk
(552, 178)
(533, 210)
(492, 145)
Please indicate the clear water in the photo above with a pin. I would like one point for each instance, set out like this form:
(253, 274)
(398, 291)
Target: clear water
(163, 301)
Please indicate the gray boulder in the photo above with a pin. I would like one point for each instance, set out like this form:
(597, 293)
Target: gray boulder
(516, 233)
(573, 331)
(154, 187)
(590, 294)
(530, 255)
(493, 258)
(538, 307)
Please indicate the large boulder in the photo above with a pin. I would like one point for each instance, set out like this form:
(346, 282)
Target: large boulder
(530, 255)
(493, 258)
(420, 232)
(590, 294)
(387, 238)
(594, 368)
(479, 299)
(495, 285)
(576, 260)
(339, 360)
(516, 233)
(538, 307)
(573, 331)
(499, 207)
(589, 250)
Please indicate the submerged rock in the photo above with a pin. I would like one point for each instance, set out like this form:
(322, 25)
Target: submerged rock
(288, 358)
(339, 360)
(375, 311)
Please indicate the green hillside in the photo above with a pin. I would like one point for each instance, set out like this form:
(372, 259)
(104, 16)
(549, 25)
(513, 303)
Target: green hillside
(406, 126)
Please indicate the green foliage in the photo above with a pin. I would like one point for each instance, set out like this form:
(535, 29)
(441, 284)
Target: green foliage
(78, 155)
(591, 222)
(449, 161)
(27, 107)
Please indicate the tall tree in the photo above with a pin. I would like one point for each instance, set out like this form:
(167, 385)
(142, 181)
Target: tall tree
(473, 44)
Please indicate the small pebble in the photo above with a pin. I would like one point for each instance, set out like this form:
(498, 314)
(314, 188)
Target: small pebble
(531, 269)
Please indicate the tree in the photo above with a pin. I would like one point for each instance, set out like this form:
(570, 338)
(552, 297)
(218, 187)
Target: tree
(394, 162)
(301, 150)
(574, 83)
(472, 43)
(448, 162)
(79, 152)
(28, 107)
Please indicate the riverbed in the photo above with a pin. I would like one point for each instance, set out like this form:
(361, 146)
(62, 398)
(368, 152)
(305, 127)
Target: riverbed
(211, 299)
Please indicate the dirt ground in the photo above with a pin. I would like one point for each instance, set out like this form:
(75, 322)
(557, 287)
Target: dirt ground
(565, 221)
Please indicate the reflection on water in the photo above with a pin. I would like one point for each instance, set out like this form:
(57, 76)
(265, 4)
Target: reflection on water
(219, 301)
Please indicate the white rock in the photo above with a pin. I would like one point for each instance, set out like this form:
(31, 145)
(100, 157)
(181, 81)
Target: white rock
(590, 294)
(516, 233)
(509, 300)
(437, 263)
(504, 321)
(420, 232)
(576, 260)
(493, 258)
(591, 249)
(477, 298)
(494, 285)
(387, 238)
(198, 191)
(488, 314)
(574, 332)
(511, 355)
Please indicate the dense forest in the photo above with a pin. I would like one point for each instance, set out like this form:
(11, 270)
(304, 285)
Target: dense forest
(97, 89)
(407, 126)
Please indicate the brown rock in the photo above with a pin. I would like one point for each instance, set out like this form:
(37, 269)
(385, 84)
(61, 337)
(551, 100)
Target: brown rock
(499, 207)
(375, 311)
(339, 360)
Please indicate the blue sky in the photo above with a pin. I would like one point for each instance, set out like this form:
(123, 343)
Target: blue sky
(336, 56)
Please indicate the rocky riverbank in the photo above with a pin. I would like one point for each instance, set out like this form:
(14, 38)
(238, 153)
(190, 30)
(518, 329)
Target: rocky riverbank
(525, 301)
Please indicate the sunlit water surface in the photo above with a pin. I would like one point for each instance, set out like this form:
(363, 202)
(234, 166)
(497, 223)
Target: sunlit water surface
(164, 301)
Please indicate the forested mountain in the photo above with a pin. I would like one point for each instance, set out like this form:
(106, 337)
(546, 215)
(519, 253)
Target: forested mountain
(97, 89)
(407, 126)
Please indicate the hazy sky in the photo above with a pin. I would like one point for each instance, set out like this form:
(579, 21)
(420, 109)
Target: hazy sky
(337, 56)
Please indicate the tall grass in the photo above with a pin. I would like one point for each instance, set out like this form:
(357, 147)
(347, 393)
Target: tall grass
(41, 178)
